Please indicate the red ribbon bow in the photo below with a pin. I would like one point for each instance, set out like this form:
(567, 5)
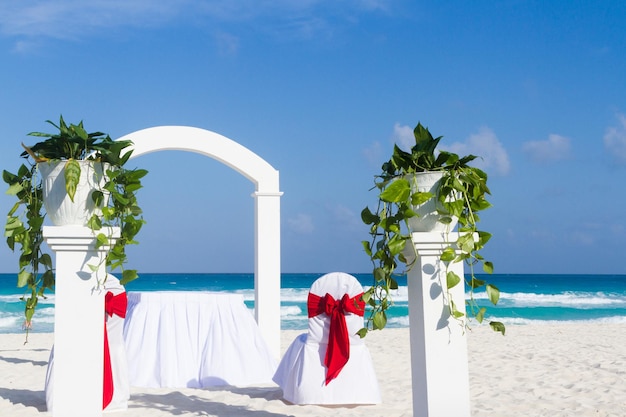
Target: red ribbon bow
(113, 304)
(338, 350)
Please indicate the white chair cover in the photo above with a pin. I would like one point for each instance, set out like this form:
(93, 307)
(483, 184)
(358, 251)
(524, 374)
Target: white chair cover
(119, 366)
(301, 373)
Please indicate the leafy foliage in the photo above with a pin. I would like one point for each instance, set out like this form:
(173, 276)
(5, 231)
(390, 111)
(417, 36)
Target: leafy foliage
(462, 194)
(120, 209)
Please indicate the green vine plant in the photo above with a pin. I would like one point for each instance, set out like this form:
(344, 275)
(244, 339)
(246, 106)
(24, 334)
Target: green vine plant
(462, 194)
(116, 202)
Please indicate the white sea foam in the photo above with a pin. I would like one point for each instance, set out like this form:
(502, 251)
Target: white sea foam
(287, 312)
(523, 321)
(402, 321)
(580, 300)
(9, 322)
(294, 295)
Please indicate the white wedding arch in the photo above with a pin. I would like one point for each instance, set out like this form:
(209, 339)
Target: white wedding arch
(267, 207)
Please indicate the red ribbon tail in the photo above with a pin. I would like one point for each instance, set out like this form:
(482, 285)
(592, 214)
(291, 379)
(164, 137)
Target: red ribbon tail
(338, 350)
(107, 389)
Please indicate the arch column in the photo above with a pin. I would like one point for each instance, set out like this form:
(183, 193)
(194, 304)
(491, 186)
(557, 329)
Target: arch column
(267, 268)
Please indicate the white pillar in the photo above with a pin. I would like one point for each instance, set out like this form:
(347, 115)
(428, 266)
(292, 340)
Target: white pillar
(439, 364)
(267, 267)
(78, 321)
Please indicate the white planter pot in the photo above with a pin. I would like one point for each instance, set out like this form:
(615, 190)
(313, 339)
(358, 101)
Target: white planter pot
(59, 207)
(428, 220)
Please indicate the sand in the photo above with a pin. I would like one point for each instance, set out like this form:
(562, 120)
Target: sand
(535, 370)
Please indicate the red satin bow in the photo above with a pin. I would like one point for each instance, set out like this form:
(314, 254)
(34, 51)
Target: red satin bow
(113, 304)
(338, 350)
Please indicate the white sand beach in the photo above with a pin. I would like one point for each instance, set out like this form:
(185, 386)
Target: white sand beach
(535, 370)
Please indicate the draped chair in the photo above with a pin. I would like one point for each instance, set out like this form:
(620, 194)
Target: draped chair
(330, 364)
(116, 388)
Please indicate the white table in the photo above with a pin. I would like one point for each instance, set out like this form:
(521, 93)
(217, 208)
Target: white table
(181, 339)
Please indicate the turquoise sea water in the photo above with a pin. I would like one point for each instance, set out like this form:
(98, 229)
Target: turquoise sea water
(524, 298)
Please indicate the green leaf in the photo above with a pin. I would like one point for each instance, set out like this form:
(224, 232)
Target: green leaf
(46, 260)
(448, 254)
(452, 279)
(393, 284)
(97, 197)
(13, 223)
(94, 223)
(128, 275)
(488, 267)
(466, 242)
(8, 177)
(366, 247)
(29, 310)
(396, 244)
(497, 327)
(15, 189)
(380, 320)
(493, 293)
(476, 283)
(72, 177)
(455, 311)
(101, 240)
(23, 277)
(379, 274)
(368, 217)
(132, 187)
(396, 191)
(420, 198)
(48, 280)
(137, 174)
(480, 316)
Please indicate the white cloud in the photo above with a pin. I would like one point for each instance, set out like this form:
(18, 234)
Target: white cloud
(581, 238)
(403, 136)
(346, 218)
(301, 224)
(73, 19)
(484, 144)
(555, 148)
(374, 154)
(66, 19)
(227, 44)
(615, 140)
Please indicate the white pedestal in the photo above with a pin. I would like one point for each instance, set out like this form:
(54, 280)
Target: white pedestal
(438, 341)
(78, 321)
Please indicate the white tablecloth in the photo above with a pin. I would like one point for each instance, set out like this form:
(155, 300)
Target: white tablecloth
(194, 339)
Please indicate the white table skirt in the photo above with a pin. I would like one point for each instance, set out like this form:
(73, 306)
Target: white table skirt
(194, 339)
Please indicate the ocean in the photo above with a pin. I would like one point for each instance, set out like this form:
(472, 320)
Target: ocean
(525, 299)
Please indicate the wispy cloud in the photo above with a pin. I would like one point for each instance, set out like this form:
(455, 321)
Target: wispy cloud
(67, 19)
(374, 154)
(403, 136)
(227, 43)
(345, 218)
(302, 224)
(555, 148)
(73, 19)
(615, 140)
(484, 144)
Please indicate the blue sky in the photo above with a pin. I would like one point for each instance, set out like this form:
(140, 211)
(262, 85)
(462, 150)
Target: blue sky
(321, 90)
